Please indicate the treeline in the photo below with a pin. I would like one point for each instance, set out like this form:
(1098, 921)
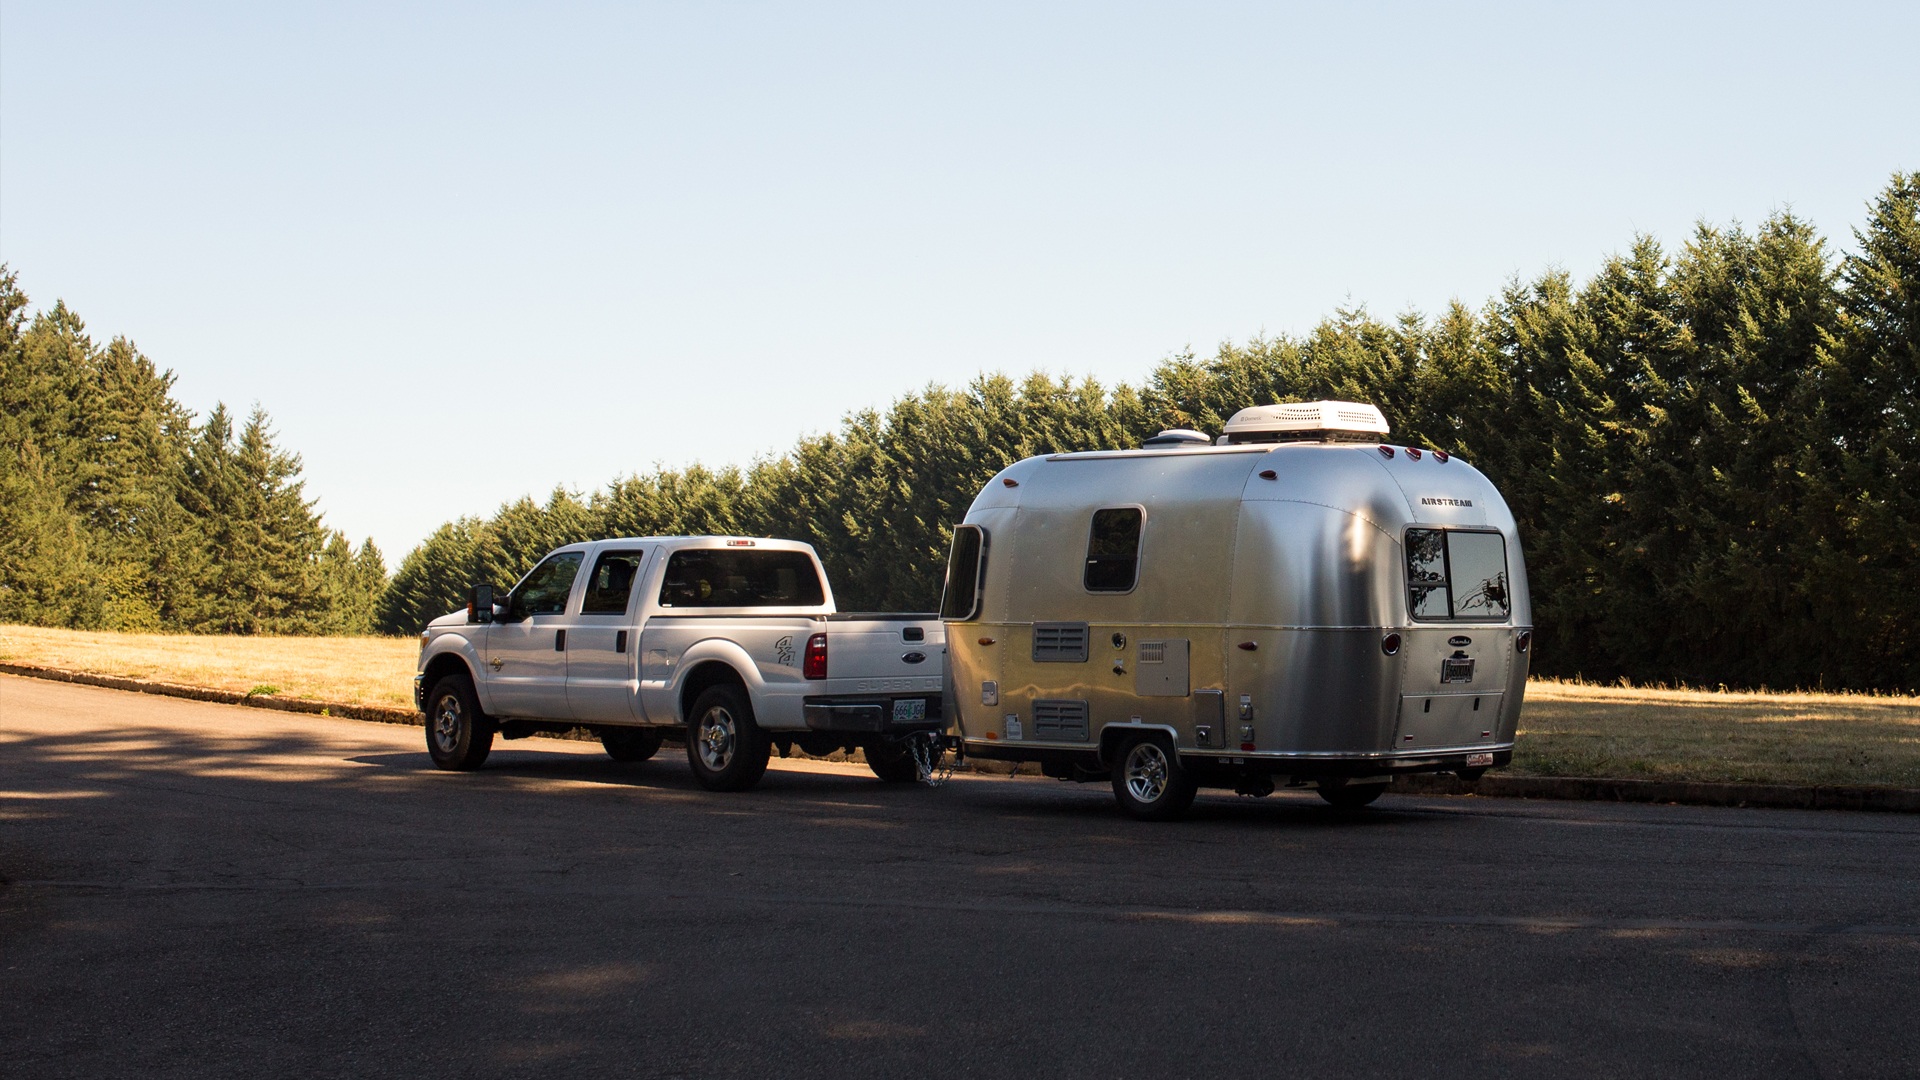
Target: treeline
(119, 512)
(1713, 452)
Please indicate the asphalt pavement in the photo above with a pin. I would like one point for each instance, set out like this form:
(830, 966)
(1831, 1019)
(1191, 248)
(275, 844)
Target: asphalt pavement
(202, 890)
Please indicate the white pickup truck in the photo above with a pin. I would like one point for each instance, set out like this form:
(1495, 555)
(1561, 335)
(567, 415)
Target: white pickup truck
(734, 641)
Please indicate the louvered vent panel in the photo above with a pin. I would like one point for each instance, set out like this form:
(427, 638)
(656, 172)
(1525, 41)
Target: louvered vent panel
(1060, 721)
(1060, 642)
(1153, 652)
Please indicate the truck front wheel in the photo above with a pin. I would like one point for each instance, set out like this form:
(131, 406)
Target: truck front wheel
(727, 750)
(458, 737)
(1149, 782)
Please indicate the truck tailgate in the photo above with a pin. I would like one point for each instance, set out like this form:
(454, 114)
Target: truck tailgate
(868, 654)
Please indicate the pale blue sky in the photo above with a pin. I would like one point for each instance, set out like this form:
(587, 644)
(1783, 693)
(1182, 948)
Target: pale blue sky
(463, 253)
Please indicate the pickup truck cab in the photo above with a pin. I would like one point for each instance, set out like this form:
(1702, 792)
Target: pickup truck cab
(731, 642)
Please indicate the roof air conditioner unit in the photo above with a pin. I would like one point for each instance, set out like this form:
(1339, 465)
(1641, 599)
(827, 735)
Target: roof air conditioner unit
(1306, 421)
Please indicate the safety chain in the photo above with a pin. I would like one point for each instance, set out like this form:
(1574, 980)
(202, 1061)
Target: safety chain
(930, 758)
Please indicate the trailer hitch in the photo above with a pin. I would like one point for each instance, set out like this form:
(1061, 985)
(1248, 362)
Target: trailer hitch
(930, 758)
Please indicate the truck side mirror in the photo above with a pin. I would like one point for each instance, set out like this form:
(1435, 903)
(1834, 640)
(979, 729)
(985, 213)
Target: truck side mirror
(480, 604)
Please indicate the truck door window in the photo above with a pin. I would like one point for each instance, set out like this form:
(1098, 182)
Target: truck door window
(545, 591)
(966, 567)
(611, 582)
(711, 578)
(1113, 550)
(1455, 574)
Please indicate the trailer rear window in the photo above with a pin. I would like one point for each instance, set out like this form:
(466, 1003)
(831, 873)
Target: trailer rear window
(966, 569)
(1113, 550)
(1457, 574)
(699, 578)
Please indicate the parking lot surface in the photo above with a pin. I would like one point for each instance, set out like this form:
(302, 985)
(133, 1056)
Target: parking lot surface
(204, 890)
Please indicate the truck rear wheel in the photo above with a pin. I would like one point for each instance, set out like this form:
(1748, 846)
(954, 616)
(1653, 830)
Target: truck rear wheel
(1149, 782)
(727, 750)
(1351, 796)
(892, 760)
(630, 743)
(458, 737)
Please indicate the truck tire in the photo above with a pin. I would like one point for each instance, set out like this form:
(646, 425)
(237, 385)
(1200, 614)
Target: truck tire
(630, 743)
(892, 761)
(1351, 796)
(458, 736)
(1149, 782)
(727, 750)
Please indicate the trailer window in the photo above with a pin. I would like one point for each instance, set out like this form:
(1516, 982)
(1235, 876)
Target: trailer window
(545, 590)
(1113, 550)
(611, 582)
(966, 571)
(708, 578)
(1456, 574)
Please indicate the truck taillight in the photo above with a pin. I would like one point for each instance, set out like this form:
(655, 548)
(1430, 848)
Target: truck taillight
(815, 664)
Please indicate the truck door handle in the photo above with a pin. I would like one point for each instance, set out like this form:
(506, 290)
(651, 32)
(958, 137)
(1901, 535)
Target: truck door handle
(559, 641)
(620, 641)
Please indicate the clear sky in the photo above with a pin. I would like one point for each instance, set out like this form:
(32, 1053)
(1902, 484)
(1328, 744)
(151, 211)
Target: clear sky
(466, 252)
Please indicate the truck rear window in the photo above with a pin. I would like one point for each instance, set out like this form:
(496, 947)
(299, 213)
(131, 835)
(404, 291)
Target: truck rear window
(713, 579)
(1457, 574)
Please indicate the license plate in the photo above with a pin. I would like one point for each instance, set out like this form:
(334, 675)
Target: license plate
(1460, 670)
(1477, 760)
(908, 710)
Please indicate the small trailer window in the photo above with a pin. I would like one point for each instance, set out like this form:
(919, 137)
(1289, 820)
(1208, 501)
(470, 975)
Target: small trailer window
(704, 577)
(966, 570)
(1457, 574)
(1113, 550)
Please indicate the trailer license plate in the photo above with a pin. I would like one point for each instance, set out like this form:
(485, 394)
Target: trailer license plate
(908, 710)
(1475, 761)
(1456, 670)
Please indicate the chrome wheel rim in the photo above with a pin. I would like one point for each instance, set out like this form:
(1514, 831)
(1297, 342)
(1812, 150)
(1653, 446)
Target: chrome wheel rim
(716, 740)
(1147, 768)
(447, 720)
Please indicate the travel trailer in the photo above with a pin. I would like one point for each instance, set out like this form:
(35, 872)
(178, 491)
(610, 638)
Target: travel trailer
(1299, 603)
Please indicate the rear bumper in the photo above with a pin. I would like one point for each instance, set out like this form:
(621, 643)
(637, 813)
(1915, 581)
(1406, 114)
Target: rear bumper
(1331, 766)
(869, 713)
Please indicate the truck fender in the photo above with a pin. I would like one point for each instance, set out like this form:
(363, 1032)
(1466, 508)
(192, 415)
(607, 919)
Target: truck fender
(448, 649)
(717, 651)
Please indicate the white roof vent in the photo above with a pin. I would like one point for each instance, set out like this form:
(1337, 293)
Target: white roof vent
(1305, 420)
(1178, 437)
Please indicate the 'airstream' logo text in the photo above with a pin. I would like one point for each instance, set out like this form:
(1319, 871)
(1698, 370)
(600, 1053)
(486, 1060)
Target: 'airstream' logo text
(1430, 501)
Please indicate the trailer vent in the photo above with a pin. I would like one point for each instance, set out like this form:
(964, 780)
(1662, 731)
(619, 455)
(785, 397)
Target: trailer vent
(1307, 420)
(1178, 437)
(1060, 721)
(1059, 643)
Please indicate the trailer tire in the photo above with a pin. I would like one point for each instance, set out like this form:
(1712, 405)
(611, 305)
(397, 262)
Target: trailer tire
(1149, 782)
(459, 737)
(630, 743)
(892, 761)
(1351, 796)
(727, 750)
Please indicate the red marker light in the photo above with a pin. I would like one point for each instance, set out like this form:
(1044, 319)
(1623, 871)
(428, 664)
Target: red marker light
(1009, 481)
(815, 664)
(986, 641)
(1385, 450)
(739, 543)
(1269, 474)
(1249, 645)
(1441, 456)
(1413, 453)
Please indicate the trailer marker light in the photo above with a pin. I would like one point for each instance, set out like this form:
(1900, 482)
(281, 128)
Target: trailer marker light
(1246, 746)
(1385, 450)
(986, 641)
(1250, 645)
(1390, 644)
(1486, 734)
(1441, 456)
(1009, 481)
(993, 735)
(1269, 474)
(814, 666)
(1413, 453)
(1524, 641)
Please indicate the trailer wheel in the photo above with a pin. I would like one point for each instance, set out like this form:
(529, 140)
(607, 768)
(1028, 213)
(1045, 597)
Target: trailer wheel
(1351, 796)
(1149, 783)
(892, 760)
(458, 737)
(630, 743)
(727, 750)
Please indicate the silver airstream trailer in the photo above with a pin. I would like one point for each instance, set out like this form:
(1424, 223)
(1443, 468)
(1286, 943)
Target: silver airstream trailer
(1299, 603)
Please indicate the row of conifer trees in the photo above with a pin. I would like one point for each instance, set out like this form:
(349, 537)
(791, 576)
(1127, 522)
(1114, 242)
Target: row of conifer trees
(1713, 451)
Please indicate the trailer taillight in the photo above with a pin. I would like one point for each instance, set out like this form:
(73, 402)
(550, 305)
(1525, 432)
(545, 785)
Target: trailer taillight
(815, 664)
(1390, 644)
(1524, 641)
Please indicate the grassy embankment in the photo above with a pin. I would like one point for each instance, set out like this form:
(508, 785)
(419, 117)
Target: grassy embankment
(1568, 729)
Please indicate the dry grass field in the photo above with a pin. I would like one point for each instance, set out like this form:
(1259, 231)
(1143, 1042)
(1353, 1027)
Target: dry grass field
(1567, 729)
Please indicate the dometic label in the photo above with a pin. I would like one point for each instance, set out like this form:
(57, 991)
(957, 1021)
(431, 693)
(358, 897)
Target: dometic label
(1428, 500)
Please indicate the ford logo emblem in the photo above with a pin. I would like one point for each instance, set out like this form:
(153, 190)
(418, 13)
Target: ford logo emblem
(1459, 641)
(914, 657)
